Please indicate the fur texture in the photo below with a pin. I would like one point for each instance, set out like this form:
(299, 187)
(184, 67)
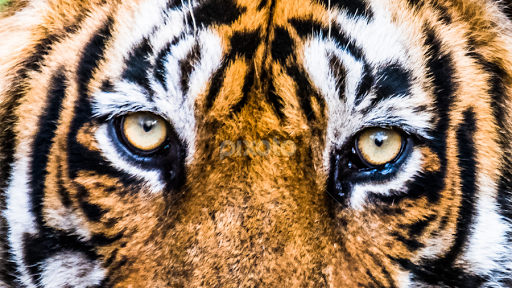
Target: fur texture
(80, 209)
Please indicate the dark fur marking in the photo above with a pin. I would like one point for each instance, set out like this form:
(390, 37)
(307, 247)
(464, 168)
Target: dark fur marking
(441, 70)
(304, 90)
(275, 100)
(411, 243)
(498, 79)
(43, 143)
(107, 86)
(392, 81)
(340, 75)
(48, 243)
(306, 27)
(248, 83)
(93, 212)
(79, 157)
(309, 27)
(417, 228)
(282, 45)
(216, 82)
(262, 4)
(7, 141)
(442, 271)
(61, 190)
(216, 12)
(366, 84)
(187, 65)
(138, 66)
(159, 71)
(357, 8)
(102, 240)
(244, 44)
(345, 42)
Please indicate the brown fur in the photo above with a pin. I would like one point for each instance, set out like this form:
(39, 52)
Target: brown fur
(249, 221)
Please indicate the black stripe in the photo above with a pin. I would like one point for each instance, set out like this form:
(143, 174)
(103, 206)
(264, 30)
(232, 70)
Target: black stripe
(340, 75)
(92, 211)
(48, 241)
(309, 27)
(7, 142)
(467, 164)
(416, 3)
(442, 11)
(245, 44)
(248, 83)
(216, 12)
(159, 71)
(282, 45)
(411, 243)
(304, 91)
(345, 42)
(43, 143)
(392, 81)
(357, 8)
(262, 4)
(498, 79)
(61, 190)
(80, 158)
(138, 66)
(440, 69)
(506, 7)
(187, 65)
(242, 44)
(275, 100)
(366, 84)
(216, 82)
(443, 270)
(416, 229)
(306, 26)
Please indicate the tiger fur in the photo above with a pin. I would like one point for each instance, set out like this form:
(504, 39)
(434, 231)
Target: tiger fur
(78, 210)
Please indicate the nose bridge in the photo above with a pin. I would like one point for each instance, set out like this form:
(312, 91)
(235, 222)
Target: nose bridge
(258, 221)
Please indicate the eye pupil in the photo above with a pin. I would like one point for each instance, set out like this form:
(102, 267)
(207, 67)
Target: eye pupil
(379, 142)
(148, 124)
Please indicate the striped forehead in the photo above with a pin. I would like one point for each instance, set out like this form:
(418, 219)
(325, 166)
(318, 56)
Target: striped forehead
(358, 62)
(361, 64)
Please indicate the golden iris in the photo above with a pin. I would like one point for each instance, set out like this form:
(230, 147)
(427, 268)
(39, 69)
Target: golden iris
(144, 131)
(378, 146)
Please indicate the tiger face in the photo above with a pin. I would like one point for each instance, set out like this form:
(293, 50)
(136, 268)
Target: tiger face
(237, 143)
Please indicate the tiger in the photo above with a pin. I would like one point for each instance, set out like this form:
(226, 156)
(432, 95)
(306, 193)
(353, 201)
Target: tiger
(256, 143)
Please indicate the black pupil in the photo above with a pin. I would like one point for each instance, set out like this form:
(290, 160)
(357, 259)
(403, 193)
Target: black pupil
(147, 124)
(379, 142)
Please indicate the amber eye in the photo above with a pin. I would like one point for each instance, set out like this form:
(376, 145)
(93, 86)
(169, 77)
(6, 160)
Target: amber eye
(144, 132)
(378, 146)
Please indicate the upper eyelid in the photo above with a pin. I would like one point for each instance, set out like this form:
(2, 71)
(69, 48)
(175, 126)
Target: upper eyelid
(401, 124)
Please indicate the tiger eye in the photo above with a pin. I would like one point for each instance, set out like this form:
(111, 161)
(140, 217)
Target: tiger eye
(378, 146)
(144, 131)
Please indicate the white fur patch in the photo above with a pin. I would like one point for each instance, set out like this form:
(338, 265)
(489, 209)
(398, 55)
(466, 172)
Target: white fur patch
(488, 250)
(71, 269)
(406, 173)
(18, 213)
